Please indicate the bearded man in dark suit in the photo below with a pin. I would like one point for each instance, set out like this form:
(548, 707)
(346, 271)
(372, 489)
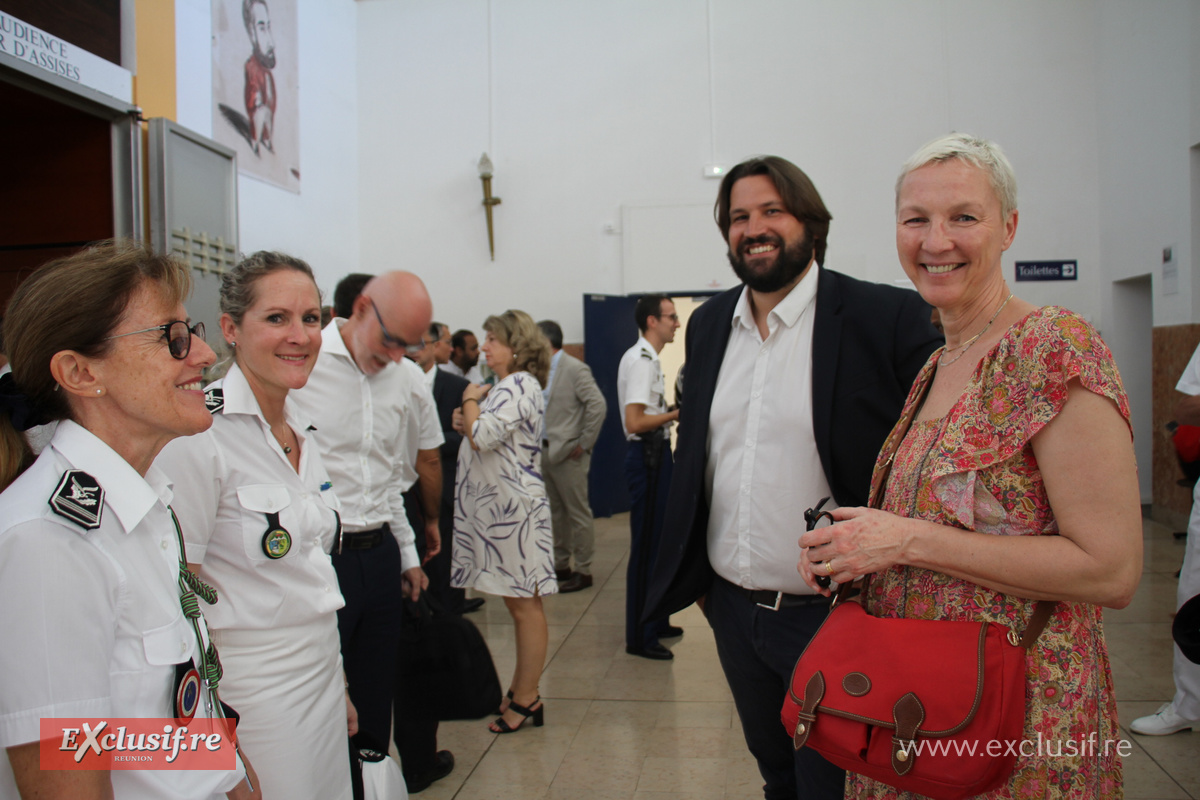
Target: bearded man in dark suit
(794, 379)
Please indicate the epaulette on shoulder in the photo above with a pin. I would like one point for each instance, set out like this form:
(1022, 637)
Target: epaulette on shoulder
(214, 400)
(80, 498)
(647, 356)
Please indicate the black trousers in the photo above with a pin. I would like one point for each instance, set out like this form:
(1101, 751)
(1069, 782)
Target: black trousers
(643, 549)
(369, 627)
(758, 648)
(415, 737)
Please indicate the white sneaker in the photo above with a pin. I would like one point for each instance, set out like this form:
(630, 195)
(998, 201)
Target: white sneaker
(1162, 723)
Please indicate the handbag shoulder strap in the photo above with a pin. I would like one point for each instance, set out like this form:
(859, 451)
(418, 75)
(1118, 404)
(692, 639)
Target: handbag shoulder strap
(1037, 623)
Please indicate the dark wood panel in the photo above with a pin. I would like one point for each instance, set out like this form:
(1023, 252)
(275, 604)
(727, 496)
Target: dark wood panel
(94, 25)
(57, 187)
(1173, 346)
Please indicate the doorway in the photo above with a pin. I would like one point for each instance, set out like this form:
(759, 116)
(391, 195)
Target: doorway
(58, 186)
(1131, 343)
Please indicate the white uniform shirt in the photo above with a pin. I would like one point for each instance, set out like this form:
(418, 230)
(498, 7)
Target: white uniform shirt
(228, 481)
(763, 470)
(1189, 381)
(640, 380)
(93, 626)
(474, 374)
(360, 424)
(422, 428)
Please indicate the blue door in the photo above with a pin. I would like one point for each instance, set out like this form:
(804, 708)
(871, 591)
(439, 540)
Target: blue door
(608, 331)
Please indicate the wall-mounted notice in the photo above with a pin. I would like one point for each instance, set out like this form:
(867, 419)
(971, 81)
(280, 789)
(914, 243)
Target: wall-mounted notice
(1047, 270)
(50, 53)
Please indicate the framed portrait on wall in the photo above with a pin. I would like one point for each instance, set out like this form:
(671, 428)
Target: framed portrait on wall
(256, 87)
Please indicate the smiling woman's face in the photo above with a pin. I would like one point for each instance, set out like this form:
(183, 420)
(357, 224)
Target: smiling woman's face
(951, 232)
(280, 335)
(150, 396)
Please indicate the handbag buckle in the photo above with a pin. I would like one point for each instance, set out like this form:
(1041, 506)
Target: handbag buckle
(778, 600)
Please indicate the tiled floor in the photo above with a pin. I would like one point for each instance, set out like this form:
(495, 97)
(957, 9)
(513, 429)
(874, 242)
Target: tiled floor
(624, 727)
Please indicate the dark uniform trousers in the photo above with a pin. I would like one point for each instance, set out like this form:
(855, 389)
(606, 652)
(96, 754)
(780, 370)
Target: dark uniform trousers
(642, 552)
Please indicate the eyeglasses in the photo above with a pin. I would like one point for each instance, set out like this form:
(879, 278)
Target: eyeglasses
(672, 317)
(395, 341)
(177, 333)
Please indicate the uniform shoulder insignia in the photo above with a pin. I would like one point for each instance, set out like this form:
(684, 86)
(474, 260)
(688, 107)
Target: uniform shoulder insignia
(647, 356)
(214, 400)
(80, 498)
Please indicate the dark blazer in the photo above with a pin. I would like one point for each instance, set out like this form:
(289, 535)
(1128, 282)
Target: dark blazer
(447, 394)
(869, 342)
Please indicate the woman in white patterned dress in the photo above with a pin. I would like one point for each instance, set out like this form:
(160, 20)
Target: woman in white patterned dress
(502, 538)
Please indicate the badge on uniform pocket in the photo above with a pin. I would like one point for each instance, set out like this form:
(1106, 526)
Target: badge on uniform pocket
(187, 692)
(276, 542)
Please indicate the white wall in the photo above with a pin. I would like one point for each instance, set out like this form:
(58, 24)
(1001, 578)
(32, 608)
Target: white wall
(604, 104)
(320, 224)
(589, 107)
(1144, 133)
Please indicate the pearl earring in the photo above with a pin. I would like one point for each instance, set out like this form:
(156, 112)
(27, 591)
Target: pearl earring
(99, 391)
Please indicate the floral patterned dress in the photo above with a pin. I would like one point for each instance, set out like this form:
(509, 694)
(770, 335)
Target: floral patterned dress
(975, 469)
(502, 537)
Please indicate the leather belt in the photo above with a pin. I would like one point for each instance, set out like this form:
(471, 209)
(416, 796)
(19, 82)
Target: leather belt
(773, 601)
(363, 540)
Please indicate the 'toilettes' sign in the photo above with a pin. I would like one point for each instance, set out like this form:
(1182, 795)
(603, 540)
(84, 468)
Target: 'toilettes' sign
(50, 53)
(1047, 270)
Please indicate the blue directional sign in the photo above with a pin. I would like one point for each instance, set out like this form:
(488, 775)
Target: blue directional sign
(1047, 270)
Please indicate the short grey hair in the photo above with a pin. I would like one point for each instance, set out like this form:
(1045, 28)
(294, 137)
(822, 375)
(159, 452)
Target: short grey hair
(977, 152)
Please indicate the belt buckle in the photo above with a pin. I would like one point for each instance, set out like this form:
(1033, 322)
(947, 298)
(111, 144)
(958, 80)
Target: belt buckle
(778, 600)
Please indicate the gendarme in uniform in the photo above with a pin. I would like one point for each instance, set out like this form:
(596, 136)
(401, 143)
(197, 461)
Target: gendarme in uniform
(261, 533)
(89, 581)
(640, 380)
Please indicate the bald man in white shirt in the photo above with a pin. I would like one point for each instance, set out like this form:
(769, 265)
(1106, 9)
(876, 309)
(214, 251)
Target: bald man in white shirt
(358, 399)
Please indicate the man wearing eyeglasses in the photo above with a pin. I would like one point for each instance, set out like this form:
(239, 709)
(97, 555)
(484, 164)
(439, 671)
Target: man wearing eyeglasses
(363, 404)
(646, 420)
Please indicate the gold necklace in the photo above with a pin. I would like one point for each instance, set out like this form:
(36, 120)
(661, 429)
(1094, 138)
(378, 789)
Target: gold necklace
(965, 346)
(287, 448)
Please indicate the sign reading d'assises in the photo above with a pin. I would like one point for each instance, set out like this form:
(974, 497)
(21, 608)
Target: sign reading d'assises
(34, 46)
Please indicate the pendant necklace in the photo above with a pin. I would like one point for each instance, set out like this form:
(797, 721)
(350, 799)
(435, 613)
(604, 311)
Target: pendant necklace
(287, 448)
(965, 346)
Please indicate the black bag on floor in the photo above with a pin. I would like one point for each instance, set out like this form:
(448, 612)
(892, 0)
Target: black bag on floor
(446, 670)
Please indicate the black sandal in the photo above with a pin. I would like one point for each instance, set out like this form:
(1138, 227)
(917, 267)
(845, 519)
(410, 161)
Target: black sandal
(538, 714)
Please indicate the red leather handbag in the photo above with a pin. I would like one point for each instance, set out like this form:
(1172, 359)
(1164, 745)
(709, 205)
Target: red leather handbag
(932, 707)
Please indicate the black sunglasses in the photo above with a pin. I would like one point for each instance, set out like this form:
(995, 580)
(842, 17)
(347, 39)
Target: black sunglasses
(178, 335)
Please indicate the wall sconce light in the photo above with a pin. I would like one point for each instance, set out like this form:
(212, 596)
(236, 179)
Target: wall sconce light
(485, 175)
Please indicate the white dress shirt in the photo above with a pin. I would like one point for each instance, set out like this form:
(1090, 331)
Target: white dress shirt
(640, 380)
(422, 428)
(474, 374)
(93, 624)
(360, 423)
(227, 481)
(763, 470)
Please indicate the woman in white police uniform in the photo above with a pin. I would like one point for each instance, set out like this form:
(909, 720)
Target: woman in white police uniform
(260, 521)
(91, 576)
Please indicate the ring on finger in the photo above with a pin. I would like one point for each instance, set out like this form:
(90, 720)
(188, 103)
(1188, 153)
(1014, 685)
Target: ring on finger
(828, 567)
